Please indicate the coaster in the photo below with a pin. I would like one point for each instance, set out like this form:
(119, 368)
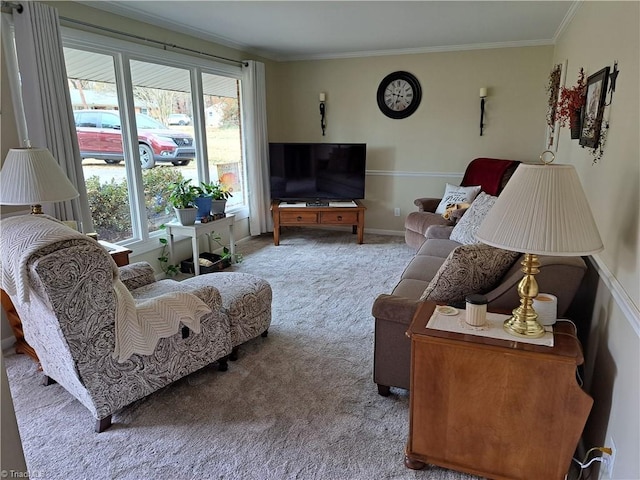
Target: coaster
(447, 310)
(465, 326)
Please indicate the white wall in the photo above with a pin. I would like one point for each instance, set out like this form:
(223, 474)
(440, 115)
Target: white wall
(599, 34)
(416, 156)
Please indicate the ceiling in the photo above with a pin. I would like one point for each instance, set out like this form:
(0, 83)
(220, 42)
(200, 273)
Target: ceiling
(298, 30)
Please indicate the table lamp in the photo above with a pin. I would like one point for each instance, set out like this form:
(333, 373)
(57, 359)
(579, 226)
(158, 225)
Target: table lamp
(541, 211)
(31, 176)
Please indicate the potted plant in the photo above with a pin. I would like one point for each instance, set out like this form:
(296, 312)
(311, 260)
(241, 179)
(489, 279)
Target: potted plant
(219, 194)
(182, 197)
(569, 107)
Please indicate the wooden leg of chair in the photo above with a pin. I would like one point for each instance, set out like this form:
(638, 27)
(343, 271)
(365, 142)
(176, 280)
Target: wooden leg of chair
(233, 356)
(223, 364)
(384, 390)
(103, 424)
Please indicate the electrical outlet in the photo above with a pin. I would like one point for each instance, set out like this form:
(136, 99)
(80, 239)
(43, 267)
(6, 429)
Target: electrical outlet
(396, 212)
(608, 461)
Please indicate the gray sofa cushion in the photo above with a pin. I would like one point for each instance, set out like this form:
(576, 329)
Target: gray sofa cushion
(437, 247)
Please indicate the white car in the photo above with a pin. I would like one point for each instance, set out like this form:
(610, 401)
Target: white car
(178, 119)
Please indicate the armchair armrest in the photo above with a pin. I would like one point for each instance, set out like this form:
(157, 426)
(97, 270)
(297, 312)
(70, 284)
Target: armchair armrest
(438, 231)
(427, 204)
(394, 308)
(136, 275)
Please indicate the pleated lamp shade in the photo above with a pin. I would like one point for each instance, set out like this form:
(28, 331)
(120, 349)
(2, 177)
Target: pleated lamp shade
(32, 176)
(542, 210)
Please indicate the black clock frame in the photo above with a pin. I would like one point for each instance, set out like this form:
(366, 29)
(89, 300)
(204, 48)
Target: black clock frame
(417, 95)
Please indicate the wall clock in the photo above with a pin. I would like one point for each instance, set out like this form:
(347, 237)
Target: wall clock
(399, 95)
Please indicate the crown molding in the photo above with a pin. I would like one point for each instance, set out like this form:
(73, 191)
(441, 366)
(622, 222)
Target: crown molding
(418, 50)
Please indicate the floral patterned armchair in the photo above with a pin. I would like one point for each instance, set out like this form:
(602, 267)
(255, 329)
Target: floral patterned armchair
(64, 287)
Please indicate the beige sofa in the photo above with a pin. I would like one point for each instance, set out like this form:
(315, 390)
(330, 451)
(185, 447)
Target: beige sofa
(560, 276)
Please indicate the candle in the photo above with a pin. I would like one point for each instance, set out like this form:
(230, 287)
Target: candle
(483, 92)
(322, 96)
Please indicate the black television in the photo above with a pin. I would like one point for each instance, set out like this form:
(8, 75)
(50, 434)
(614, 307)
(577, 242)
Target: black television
(317, 172)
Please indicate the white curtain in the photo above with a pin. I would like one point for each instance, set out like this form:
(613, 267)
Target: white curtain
(47, 103)
(254, 107)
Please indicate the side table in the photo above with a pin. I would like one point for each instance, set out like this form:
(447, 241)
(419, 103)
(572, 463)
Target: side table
(495, 408)
(197, 230)
(119, 253)
(21, 345)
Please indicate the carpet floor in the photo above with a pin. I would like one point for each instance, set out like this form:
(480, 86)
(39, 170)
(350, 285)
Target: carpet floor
(299, 404)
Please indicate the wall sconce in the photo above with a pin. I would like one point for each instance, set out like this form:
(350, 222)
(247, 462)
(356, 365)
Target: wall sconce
(323, 125)
(483, 95)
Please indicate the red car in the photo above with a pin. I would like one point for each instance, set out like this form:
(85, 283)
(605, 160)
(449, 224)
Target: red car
(100, 136)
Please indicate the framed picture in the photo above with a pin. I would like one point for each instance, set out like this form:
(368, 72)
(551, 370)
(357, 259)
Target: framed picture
(594, 108)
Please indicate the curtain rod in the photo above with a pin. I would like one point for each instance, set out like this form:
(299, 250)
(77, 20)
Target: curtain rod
(8, 7)
(156, 42)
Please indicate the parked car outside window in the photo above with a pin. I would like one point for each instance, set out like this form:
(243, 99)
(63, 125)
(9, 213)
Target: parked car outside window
(179, 119)
(100, 136)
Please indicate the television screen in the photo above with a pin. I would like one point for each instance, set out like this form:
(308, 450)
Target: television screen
(317, 171)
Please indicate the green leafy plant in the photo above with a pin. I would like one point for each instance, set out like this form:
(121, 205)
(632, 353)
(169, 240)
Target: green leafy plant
(215, 190)
(226, 253)
(168, 269)
(109, 204)
(183, 194)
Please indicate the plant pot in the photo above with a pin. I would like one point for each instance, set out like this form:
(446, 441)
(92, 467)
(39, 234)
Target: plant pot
(575, 124)
(186, 216)
(218, 206)
(204, 207)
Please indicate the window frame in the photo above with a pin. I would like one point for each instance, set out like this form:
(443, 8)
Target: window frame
(123, 52)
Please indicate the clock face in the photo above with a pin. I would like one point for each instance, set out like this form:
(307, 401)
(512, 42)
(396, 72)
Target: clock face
(399, 95)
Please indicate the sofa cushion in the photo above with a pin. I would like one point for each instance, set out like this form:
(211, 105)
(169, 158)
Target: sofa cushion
(455, 194)
(468, 269)
(423, 267)
(465, 230)
(437, 247)
(410, 288)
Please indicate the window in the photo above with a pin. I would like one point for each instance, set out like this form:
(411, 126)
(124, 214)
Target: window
(136, 113)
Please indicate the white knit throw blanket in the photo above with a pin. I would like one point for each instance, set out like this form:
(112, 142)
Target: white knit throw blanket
(138, 326)
(21, 237)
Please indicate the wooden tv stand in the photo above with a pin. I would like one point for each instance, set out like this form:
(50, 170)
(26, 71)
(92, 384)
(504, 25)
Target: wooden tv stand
(301, 215)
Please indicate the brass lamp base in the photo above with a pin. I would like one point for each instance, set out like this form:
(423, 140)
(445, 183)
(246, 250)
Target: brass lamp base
(526, 329)
(524, 321)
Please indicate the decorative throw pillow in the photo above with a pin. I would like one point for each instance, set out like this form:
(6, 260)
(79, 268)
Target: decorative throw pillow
(454, 194)
(469, 269)
(465, 230)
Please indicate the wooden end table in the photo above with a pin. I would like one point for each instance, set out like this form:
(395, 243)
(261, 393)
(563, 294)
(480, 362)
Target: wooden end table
(494, 408)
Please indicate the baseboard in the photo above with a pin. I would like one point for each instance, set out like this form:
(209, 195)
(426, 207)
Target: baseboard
(378, 231)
